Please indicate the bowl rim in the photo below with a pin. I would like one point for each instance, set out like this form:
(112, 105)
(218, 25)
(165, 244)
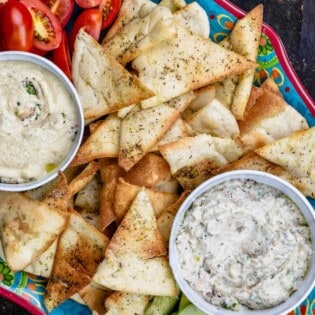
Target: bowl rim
(265, 178)
(57, 72)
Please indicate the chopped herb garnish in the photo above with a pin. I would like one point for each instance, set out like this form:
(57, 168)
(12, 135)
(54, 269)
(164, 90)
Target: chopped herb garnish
(30, 88)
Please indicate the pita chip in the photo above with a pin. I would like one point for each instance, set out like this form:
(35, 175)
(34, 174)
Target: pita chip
(195, 18)
(103, 142)
(214, 119)
(80, 250)
(123, 303)
(191, 159)
(83, 178)
(245, 39)
(104, 86)
(202, 62)
(141, 130)
(135, 259)
(181, 102)
(295, 154)
(125, 194)
(129, 10)
(141, 34)
(173, 5)
(269, 119)
(27, 228)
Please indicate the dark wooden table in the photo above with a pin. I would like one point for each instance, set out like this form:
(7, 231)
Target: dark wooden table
(294, 20)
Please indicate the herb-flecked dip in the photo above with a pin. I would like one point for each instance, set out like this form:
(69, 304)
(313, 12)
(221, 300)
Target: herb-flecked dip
(38, 121)
(244, 245)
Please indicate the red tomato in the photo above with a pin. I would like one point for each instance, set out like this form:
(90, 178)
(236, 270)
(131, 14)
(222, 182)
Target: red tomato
(62, 9)
(87, 4)
(47, 29)
(16, 27)
(91, 21)
(110, 9)
(61, 56)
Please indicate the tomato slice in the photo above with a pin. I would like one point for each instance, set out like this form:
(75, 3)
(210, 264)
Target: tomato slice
(87, 4)
(47, 28)
(62, 9)
(91, 21)
(110, 9)
(61, 56)
(16, 27)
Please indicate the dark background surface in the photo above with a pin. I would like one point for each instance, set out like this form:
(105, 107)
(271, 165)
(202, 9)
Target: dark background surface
(294, 21)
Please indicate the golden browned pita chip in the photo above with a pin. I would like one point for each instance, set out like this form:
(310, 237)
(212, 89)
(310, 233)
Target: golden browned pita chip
(102, 143)
(141, 34)
(149, 171)
(269, 119)
(93, 125)
(80, 250)
(255, 93)
(123, 303)
(166, 218)
(125, 194)
(27, 228)
(201, 63)
(130, 9)
(59, 197)
(214, 119)
(271, 86)
(295, 153)
(94, 297)
(141, 130)
(109, 175)
(83, 178)
(191, 159)
(135, 259)
(104, 86)
(245, 39)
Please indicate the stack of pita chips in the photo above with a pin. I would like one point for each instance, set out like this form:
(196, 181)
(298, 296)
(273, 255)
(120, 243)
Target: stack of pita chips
(166, 109)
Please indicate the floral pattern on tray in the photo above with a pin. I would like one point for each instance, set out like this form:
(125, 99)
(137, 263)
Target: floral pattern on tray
(31, 288)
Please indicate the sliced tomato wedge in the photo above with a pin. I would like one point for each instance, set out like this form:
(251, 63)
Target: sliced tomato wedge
(110, 9)
(16, 27)
(47, 28)
(62, 9)
(91, 21)
(87, 4)
(61, 56)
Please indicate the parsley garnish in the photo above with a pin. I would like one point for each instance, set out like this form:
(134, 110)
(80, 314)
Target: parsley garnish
(30, 88)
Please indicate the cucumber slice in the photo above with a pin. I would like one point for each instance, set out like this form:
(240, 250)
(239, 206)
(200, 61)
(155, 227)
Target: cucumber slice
(161, 305)
(183, 302)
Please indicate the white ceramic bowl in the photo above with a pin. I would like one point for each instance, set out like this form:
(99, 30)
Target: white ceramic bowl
(51, 67)
(297, 297)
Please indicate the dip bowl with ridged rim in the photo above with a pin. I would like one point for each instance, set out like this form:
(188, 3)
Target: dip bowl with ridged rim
(77, 108)
(260, 177)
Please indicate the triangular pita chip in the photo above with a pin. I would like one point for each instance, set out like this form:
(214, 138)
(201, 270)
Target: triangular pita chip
(245, 39)
(295, 153)
(103, 142)
(80, 250)
(130, 10)
(191, 159)
(195, 18)
(123, 303)
(125, 194)
(104, 86)
(269, 119)
(141, 130)
(141, 34)
(201, 62)
(135, 259)
(27, 228)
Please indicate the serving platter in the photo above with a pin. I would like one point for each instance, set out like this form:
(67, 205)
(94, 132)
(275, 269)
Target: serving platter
(28, 290)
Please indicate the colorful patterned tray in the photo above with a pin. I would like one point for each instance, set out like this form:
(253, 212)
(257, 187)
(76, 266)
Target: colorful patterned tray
(28, 290)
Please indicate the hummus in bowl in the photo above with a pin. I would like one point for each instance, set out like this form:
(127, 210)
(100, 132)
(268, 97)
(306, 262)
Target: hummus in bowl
(41, 121)
(243, 243)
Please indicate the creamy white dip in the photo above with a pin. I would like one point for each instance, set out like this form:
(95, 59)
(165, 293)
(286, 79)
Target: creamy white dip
(244, 245)
(37, 121)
